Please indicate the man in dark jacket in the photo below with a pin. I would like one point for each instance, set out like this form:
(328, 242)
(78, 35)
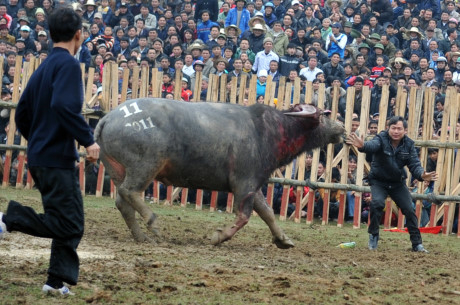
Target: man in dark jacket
(49, 117)
(333, 69)
(289, 61)
(383, 11)
(122, 12)
(210, 5)
(392, 150)
(434, 5)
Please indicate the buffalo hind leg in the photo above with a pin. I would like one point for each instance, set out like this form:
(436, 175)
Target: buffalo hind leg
(135, 201)
(129, 215)
(280, 239)
(245, 207)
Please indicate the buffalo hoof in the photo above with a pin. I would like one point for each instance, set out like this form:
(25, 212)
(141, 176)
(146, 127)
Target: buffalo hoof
(152, 225)
(142, 238)
(284, 242)
(218, 237)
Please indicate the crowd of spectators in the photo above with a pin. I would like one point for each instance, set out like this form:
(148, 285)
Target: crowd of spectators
(401, 43)
(407, 43)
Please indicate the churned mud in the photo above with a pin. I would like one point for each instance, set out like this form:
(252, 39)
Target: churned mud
(183, 268)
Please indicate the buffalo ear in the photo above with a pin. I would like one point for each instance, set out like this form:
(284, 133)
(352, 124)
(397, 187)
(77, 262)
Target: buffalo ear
(306, 111)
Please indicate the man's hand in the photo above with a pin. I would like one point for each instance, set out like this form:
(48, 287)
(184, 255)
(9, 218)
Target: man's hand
(92, 152)
(353, 139)
(431, 176)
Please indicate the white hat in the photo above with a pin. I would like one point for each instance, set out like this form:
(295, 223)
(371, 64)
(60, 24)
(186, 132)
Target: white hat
(295, 2)
(258, 26)
(25, 28)
(262, 72)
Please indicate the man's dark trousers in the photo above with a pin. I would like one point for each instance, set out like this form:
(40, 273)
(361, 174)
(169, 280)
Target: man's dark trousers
(63, 220)
(401, 196)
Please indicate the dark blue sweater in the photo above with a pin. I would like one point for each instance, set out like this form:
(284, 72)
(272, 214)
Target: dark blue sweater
(49, 112)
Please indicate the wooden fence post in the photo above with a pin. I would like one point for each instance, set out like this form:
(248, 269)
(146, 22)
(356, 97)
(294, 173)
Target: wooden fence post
(364, 119)
(314, 165)
(346, 149)
(12, 124)
(329, 157)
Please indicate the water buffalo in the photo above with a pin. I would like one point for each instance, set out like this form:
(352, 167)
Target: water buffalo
(210, 146)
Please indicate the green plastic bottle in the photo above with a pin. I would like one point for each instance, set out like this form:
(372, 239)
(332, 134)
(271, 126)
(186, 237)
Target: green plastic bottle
(349, 245)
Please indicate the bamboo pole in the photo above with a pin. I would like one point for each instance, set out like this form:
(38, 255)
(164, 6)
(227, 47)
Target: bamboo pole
(135, 83)
(329, 157)
(178, 85)
(222, 89)
(243, 85)
(346, 149)
(310, 198)
(268, 90)
(114, 86)
(252, 91)
(361, 157)
(12, 124)
(124, 86)
(234, 90)
(281, 91)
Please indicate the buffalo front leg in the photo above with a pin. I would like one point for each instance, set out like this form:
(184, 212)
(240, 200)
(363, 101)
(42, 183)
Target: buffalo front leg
(244, 211)
(280, 239)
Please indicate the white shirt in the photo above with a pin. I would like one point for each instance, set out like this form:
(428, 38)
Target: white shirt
(188, 70)
(262, 60)
(310, 75)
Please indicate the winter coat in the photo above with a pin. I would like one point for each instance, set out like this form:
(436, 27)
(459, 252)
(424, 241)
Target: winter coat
(388, 162)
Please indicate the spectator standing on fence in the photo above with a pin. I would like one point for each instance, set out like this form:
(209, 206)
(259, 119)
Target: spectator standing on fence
(49, 117)
(392, 150)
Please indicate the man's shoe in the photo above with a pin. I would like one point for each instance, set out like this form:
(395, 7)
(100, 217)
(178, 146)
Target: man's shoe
(2, 226)
(373, 241)
(420, 248)
(64, 290)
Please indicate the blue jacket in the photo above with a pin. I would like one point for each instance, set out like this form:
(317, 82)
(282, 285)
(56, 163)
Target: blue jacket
(232, 18)
(388, 163)
(261, 88)
(49, 112)
(204, 29)
(434, 5)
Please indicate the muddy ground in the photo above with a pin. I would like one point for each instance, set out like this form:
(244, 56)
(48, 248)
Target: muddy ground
(183, 268)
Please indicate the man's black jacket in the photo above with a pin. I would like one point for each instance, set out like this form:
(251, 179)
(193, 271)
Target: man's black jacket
(388, 162)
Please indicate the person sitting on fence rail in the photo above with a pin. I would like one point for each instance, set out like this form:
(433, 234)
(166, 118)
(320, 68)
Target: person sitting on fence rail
(392, 150)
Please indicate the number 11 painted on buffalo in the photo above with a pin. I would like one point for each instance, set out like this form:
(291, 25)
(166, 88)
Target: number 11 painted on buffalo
(126, 110)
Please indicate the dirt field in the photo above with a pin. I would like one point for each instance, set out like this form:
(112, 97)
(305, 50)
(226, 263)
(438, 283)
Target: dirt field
(185, 269)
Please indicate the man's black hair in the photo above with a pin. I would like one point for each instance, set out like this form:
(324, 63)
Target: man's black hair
(63, 24)
(166, 58)
(450, 31)
(394, 120)
(176, 45)
(335, 174)
(372, 122)
(359, 80)
(205, 11)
